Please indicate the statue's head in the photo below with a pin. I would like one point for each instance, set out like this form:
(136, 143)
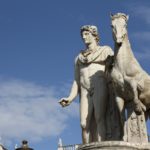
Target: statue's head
(91, 29)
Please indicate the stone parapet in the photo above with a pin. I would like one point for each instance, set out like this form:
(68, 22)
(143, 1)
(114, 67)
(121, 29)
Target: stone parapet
(114, 145)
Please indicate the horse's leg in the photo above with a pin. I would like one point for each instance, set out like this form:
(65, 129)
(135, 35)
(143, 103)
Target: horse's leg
(139, 107)
(120, 105)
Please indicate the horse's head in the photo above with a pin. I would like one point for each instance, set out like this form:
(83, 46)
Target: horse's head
(119, 27)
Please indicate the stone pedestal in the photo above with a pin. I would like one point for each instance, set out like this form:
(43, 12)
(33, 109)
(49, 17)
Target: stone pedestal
(114, 145)
(136, 128)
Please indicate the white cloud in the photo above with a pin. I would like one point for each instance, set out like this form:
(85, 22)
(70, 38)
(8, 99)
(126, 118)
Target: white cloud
(141, 11)
(143, 55)
(30, 111)
(144, 36)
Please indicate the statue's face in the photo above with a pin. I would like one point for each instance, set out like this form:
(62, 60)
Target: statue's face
(87, 37)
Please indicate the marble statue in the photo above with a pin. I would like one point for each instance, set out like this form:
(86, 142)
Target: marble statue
(113, 91)
(90, 84)
(131, 82)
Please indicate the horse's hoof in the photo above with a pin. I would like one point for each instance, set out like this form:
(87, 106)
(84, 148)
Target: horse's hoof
(138, 110)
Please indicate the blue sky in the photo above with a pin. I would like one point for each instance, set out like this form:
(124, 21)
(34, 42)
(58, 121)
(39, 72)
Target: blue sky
(38, 43)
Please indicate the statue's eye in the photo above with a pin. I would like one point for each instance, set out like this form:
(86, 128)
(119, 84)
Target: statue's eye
(86, 33)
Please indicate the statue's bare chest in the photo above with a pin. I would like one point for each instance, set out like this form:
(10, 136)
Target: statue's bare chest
(91, 69)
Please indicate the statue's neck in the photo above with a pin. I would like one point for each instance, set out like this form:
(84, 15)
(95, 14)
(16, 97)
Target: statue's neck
(92, 47)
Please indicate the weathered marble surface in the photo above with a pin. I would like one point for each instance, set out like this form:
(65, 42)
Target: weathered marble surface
(114, 145)
(129, 83)
(114, 91)
(90, 84)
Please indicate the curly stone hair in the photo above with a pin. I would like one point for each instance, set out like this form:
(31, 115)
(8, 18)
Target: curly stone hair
(92, 29)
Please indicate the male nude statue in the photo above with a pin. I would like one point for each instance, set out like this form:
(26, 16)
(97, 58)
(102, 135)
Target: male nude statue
(90, 84)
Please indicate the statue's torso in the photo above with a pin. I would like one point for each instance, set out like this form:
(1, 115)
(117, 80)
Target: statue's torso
(90, 74)
(91, 68)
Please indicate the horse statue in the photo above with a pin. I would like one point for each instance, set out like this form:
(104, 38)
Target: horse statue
(131, 83)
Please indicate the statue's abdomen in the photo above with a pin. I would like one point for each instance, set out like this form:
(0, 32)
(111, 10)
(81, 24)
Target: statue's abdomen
(90, 74)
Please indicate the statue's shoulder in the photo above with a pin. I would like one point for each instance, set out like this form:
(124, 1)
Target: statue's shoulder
(80, 58)
(107, 50)
(77, 59)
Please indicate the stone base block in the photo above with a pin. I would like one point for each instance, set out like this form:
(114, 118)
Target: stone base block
(114, 145)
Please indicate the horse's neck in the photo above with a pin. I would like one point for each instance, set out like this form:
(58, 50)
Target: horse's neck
(123, 54)
(123, 51)
(124, 57)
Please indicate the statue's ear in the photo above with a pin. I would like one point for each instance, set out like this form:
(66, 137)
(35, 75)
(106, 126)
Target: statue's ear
(127, 17)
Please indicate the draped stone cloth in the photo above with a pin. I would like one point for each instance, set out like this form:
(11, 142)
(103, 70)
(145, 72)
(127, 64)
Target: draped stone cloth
(98, 56)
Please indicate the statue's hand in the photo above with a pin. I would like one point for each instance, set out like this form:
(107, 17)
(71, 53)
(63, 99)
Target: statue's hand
(64, 102)
(139, 108)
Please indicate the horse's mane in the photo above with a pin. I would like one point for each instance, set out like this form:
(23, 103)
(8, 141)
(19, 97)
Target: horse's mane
(118, 15)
